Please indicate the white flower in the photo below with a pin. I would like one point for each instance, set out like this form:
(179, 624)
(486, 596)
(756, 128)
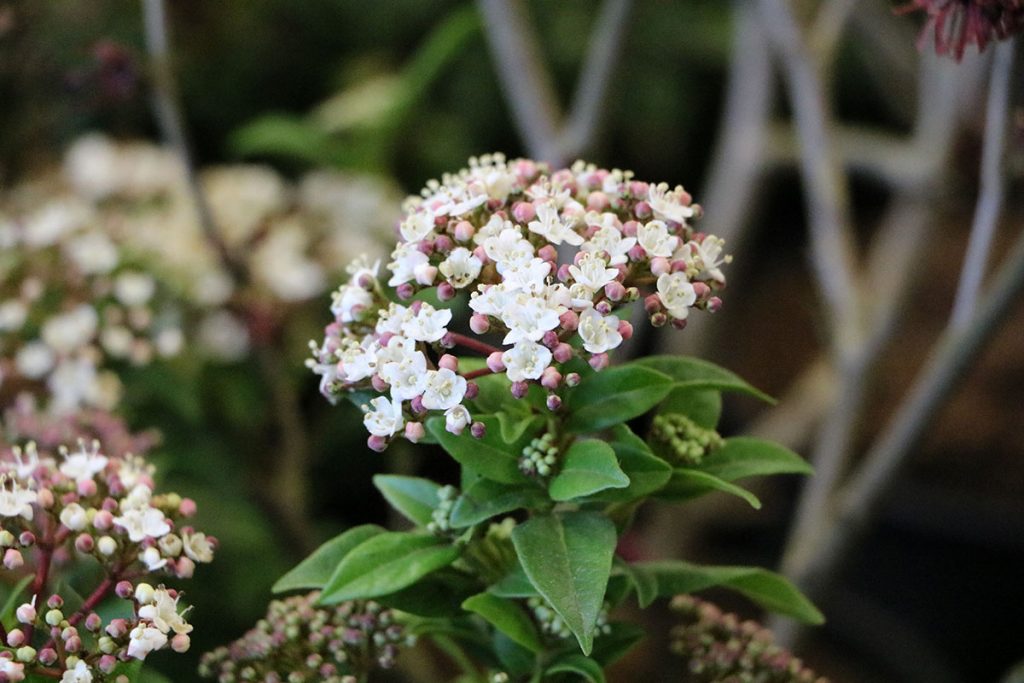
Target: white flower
(73, 517)
(445, 389)
(611, 240)
(528, 318)
(417, 226)
(709, 258)
(142, 523)
(677, 294)
(508, 249)
(134, 289)
(143, 639)
(655, 240)
(386, 417)
(461, 267)
(526, 360)
(80, 674)
(667, 205)
(491, 300)
(117, 341)
(494, 226)
(54, 220)
(93, 253)
(66, 332)
(406, 262)
(599, 333)
(34, 360)
(429, 324)
(27, 460)
(14, 671)
(393, 319)
(85, 463)
(349, 301)
(592, 272)
(162, 611)
(14, 500)
(527, 275)
(556, 229)
(197, 546)
(456, 419)
(13, 314)
(403, 367)
(152, 559)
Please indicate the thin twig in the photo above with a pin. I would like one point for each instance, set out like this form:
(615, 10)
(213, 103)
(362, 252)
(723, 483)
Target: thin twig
(832, 246)
(528, 88)
(993, 186)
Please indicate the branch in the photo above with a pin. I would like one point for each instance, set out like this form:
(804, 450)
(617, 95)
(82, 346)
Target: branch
(993, 186)
(832, 246)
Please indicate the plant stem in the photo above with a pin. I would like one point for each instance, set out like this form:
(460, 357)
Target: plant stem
(94, 599)
(473, 344)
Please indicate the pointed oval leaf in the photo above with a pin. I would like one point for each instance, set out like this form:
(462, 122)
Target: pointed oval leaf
(316, 570)
(508, 617)
(770, 590)
(414, 497)
(487, 498)
(703, 406)
(387, 563)
(743, 457)
(699, 374)
(589, 466)
(489, 456)
(614, 396)
(687, 483)
(568, 559)
(647, 472)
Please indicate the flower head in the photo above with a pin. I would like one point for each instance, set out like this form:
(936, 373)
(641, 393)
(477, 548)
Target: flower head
(957, 24)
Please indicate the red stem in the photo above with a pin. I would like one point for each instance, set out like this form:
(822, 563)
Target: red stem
(95, 598)
(473, 344)
(482, 372)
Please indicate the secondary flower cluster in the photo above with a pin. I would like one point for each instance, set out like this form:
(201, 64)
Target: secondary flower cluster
(719, 647)
(544, 260)
(959, 23)
(59, 508)
(299, 642)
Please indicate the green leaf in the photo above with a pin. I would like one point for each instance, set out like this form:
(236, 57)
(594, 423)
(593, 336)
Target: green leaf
(647, 472)
(568, 559)
(589, 466)
(514, 426)
(435, 595)
(584, 667)
(487, 498)
(316, 570)
(508, 617)
(703, 406)
(645, 584)
(515, 584)
(14, 598)
(768, 589)
(614, 396)
(693, 373)
(743, 457)
(387, 563)
(688, 483)
(489, 456)
(610, 647)
(414, 497)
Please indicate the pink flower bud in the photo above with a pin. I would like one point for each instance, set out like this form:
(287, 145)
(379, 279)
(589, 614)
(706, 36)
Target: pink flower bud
(365, 281)
(550, 339)
(117, 628)
(414, 431)
(104, 519)
(679, 266)
(16, 638)
(472, 390)
(679, 324)
(180, 643)
(660, 266)
(73, 644)
(13, 559)
(519, 389)
(569, 321)
(626, 329)
(479, 323)
(562, 353)
(124, 589)
(464, 231)
(642, 210)
(48, 656)
(378, 383)
(27, 539)
(405, 291)
(551, 378)
(93, 622)
(495, 363)
(548, 253)
(184, 568)
(45, 498)
(443, 244)
(659, 319)
(86, 487)
(572, 379)
(478, 430)
(187, 508)
(26, 613)
(563, 273)
(615, 291)
(599, 361)
(449, 362)
(107, 663)
(629, 228)
(652, 304)
(377, 443)
(597, 201)
(603, 307)
(524, 212)
(447, 341)
(84, 543)
(637, 253)
(109, 504)
(446, 291)
(701, 290)
(425, 246)
(554, 402)
(481, 254)
(55, 601)
(416, 404)
(714, 304)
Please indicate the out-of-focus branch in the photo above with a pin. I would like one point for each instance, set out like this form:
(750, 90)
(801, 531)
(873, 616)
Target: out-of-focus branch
(992, 187)
(527, 83)
(833, 253)
(828, 28)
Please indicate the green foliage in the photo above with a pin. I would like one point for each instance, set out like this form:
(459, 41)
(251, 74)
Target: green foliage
(316, 570)
(490, 456)
(612, 397)
(414, 497)
(508, 617)
(486, 499)
(590, 467)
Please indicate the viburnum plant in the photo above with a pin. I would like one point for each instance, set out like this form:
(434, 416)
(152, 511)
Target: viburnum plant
(489, 334)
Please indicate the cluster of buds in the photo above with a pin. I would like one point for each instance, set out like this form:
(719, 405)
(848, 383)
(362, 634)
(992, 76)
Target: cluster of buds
(440, 518)
(300, 642)
(544, 261)
(959, 23)
(552, 624)
(540, 456)
(684, 440)
(59, 509)
(719, 647)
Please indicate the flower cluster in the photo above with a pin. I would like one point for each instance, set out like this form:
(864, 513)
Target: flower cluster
(719, 647)
(552, 624)
(62, 508)
(300, 642)
(543, 260)
(959, 23)
(683, 439)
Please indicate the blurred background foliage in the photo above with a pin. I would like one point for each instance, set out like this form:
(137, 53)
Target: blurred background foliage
(407, 89)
